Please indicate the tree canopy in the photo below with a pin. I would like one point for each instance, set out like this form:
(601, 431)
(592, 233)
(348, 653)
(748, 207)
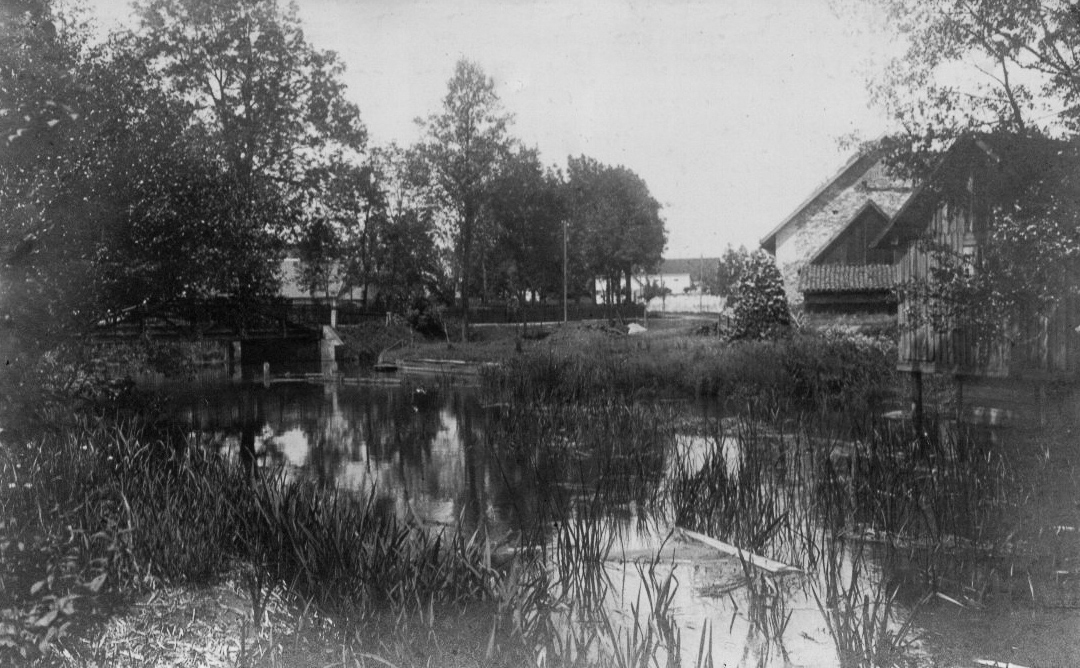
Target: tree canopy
(616, 222)
(464, 145)
(1003, 71)
(979, 65)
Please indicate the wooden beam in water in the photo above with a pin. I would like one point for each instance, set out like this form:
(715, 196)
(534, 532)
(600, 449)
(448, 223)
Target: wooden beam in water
(758, 561)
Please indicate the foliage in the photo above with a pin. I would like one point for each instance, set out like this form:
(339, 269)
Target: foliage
(728, 271)
(463, 147)
(402, 242)
(615, 223)
(424, 317)
(834, 370)
(653, 289)
(977, 65)
(266, 102)
(761, 310)
(114, 206)
(1026, 222)
(528, 211)
(1002, 73)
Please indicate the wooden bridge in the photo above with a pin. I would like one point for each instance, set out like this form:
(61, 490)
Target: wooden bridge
(272, 334)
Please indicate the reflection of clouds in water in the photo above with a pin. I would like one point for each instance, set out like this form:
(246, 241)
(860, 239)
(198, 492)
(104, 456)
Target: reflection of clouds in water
(294, 447)
(447, 439)
(694, 451)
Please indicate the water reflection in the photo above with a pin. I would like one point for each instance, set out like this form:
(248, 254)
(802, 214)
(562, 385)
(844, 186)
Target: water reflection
(602, 488)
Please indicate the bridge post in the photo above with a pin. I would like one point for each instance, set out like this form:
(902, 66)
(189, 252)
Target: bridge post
(234, 360)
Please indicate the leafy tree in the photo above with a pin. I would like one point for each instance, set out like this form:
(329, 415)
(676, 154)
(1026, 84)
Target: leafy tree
(616, 223)
(263, 100)
(979, 65)
(404, 263)
(728, 271)
(110, 211)
(1019, 61)
(1028, 258)
(761, 308)
(653, 289)
(527, 210)
(464, 145)
(335, 245)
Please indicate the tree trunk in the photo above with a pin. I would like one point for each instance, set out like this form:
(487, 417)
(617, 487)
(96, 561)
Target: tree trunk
(466, 243)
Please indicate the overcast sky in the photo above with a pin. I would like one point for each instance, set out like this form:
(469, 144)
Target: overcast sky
(729, 109)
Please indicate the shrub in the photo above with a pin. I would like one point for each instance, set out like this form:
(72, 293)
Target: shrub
(760, 305)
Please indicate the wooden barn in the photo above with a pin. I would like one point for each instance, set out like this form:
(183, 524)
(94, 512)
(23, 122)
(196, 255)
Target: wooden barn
(977, 178)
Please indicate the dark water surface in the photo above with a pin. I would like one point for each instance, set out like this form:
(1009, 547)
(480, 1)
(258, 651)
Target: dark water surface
(445, 458)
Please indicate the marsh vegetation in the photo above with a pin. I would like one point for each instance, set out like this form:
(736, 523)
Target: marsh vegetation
(542, 520)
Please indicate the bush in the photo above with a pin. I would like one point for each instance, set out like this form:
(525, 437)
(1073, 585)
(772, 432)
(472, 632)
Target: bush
(760, 306)
(424, 317)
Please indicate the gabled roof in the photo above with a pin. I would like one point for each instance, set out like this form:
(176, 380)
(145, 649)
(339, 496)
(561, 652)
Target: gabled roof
(848, 175)
(847, 277)
(1014, 158)
(870, 205)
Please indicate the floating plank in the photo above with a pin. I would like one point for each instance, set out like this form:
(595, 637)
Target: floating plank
(758, 561)
(997, 664)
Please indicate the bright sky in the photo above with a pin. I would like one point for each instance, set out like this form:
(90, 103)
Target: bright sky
(729, 109)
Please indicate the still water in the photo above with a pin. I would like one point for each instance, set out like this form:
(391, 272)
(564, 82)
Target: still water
(448, 459)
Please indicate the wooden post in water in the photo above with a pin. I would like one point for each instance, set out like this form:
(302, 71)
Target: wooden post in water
(564, 318)
(917, 416)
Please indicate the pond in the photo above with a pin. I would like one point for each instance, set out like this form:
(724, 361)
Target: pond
(874, 536)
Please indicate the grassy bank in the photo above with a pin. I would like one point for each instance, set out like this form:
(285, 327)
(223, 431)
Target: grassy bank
(809, 370)
(129, 543)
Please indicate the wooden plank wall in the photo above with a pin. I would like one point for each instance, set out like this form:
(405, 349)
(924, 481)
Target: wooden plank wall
(1045, 346)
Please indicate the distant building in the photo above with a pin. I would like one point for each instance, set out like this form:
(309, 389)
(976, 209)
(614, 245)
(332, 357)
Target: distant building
(293, 290)
(679, 275)
(824, 249)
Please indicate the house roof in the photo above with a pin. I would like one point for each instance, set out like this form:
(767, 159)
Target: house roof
(1015, 158)
(847, 278)
(870, 206)
(887, 192)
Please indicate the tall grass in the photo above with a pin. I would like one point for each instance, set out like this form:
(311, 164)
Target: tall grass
(149, 505)
(820, 371)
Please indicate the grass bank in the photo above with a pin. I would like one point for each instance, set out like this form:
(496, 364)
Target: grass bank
(810, 370)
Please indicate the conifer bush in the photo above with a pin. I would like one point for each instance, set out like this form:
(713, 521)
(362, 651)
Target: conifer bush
(760, 306)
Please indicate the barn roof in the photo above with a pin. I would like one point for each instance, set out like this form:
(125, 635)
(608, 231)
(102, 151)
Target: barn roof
(847, 278)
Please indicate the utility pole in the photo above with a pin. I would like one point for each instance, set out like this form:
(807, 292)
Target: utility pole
(564, 318)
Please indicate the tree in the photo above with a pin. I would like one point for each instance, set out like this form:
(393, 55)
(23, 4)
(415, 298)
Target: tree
(616, 223)
(729, 269)
(265, 101)
(1028, 225)
(404, 263)
(761, 309)
(528, 211)
(464, 145)
(1021, 58)
(979, 65)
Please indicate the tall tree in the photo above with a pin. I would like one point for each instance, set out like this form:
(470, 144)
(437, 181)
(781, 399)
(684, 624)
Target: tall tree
(262, 100)
(617, 223)
(728, 270)
(1018, 63)
(979, 65)
(463, 147)
(528, 211)
(405, 265)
